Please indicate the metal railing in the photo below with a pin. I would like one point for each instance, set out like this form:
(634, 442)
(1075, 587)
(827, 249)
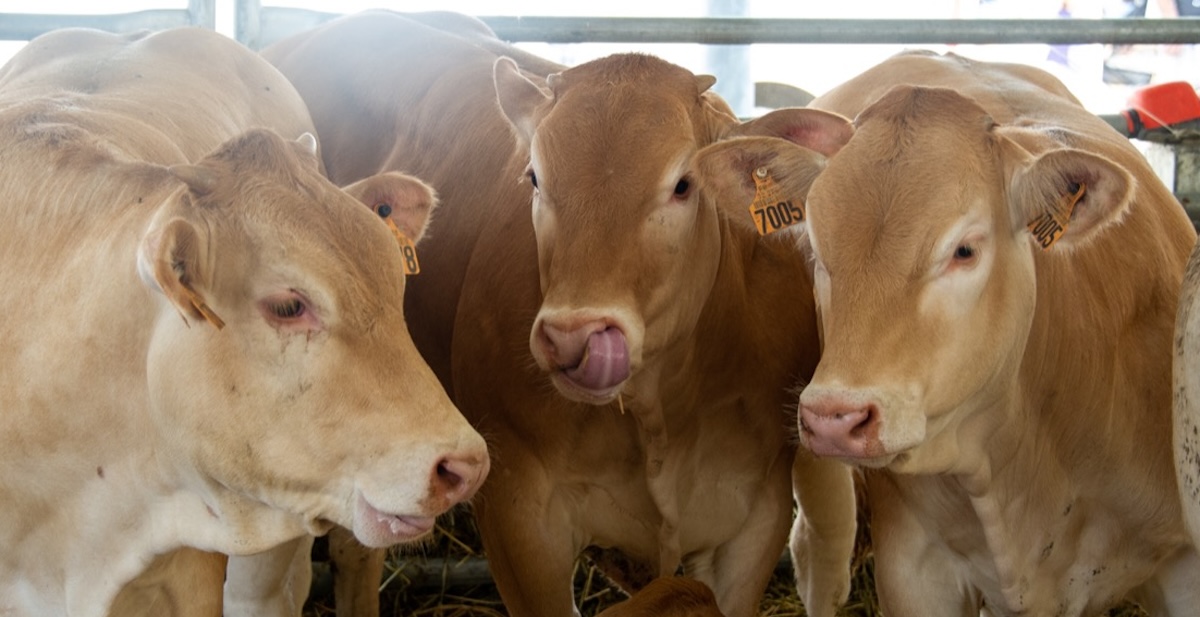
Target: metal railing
(26, 26)
(258, 26)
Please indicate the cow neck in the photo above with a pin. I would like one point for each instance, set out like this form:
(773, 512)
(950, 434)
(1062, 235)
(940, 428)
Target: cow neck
(748, 264)
(646, 406)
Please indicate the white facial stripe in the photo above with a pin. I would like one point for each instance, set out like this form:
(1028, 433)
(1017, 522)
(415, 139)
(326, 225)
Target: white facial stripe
(952, 293)
(534, 159)
(973, 225)
(673, 173)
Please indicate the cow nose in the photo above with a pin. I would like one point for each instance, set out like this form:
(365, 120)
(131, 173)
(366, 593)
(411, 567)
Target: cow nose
(456, 478)
(838, 428)
(563, 347)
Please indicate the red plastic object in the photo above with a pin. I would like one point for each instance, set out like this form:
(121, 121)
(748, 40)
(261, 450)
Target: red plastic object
(1160, 105)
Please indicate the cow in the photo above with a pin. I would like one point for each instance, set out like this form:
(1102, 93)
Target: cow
(627, 344)
(204, 338)
(997, 273)
(1186, 400)
(668, 596)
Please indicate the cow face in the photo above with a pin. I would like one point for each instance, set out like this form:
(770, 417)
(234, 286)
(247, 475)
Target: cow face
(923, 231)
(291, 379)
(628, 244)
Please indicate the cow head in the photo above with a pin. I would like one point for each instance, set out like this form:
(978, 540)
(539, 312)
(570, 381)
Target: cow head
(628, 241)
(305, 395)
(924, 258)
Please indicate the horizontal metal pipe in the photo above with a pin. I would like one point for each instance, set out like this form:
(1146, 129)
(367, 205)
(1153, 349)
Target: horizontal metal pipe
(743, 31)
(278, 22)
(24, 26)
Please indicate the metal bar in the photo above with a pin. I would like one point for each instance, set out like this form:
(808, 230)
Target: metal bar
(275, 23)
(743, 31)
(26, 26)
(202, 13)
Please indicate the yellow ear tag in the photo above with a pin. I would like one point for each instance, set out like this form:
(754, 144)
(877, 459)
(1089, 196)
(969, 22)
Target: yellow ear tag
(407, 248)
(1052, 224)
(208, 314)
(771, 210)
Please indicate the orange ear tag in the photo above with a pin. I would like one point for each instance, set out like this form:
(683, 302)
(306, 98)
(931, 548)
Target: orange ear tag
(771, 210)
(201, 307)
(1052, 224)
(407, 248)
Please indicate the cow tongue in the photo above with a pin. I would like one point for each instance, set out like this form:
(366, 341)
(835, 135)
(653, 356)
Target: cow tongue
(605, 361)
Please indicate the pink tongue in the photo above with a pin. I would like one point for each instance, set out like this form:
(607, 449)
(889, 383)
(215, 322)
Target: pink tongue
(605, 361)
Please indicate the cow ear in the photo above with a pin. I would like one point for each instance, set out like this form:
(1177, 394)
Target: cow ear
(823, 131)
(402, 199)
(760, 182)
(169, 262)
(519, 97)
(1064, 196)
(199, 180)
(306, 146)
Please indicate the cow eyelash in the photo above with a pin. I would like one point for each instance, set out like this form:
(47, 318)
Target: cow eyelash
(287, 309)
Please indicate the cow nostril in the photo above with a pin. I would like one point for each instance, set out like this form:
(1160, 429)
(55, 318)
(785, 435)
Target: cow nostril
(449, 479)
(869, 416)
(446, 475)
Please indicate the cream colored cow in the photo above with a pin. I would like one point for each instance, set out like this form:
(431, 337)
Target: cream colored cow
(204, 341)
(997, 273)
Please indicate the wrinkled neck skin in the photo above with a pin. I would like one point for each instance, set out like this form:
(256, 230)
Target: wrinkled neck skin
(119, 514)
(1032, 545)
(84, 576)
(723, 321)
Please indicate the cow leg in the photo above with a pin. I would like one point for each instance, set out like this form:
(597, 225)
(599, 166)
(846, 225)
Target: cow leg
(743, 566)
(182, 583)
(912, 577)
(357, 572)
(822, 542)
(1173, 591)
(273, 583)
(529, 544)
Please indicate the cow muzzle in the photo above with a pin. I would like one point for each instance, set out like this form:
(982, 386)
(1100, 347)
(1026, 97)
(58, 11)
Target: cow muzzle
(851, 425)
(588, 362)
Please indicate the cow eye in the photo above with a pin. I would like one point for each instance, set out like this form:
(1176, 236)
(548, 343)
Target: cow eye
(964, 252)
(683, 188)
(290, 308)
(533, 179)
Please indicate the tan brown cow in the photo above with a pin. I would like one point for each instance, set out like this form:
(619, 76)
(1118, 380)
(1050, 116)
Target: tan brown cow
(204, 339)
(669, 596)
(997, 273)
(626, 343)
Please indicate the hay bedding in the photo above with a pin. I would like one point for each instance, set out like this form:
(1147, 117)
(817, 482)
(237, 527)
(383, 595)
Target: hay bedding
(456, 540)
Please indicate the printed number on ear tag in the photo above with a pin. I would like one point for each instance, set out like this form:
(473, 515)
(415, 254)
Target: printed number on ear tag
(771, 209)
(1052, 224)
(407, 249)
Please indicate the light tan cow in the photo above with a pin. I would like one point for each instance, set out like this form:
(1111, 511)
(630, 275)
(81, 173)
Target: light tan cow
(627, 343)
(204, 341)
(997, 273)
(1186, 380)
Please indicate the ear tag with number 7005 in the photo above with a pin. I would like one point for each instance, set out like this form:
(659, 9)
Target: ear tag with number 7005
(771, 209)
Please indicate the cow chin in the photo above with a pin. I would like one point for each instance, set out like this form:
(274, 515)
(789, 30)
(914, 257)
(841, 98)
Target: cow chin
(579, 393)
(378, 529)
